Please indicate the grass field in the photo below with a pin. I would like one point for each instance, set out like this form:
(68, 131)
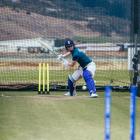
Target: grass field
(102, 77)
(28, 116)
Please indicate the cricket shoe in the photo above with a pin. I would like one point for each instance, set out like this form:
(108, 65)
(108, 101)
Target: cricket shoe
(94, 95)
(68, 93)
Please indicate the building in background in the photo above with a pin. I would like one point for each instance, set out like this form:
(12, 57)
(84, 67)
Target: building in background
(24, 46)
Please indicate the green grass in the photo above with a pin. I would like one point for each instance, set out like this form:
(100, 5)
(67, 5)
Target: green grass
(26, 115)
(103, 77)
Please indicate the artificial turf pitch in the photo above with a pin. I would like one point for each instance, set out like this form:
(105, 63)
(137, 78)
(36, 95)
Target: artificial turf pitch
(28, 116)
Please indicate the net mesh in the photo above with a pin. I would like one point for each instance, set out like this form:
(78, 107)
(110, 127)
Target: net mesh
(101, 32)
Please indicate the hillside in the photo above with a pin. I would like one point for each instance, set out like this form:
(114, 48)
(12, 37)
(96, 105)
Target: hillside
(59, 19)
(73, 9)
(21, 25)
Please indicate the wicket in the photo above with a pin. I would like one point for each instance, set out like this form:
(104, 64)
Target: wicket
(43, 78)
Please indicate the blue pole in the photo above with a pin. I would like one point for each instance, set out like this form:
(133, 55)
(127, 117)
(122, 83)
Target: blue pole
(107, 113)
(133, 92)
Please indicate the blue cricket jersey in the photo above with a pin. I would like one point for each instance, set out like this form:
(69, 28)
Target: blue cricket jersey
(80, 57)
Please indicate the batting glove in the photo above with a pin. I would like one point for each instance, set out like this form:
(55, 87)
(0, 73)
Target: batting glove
(65, 63)
(60, 56)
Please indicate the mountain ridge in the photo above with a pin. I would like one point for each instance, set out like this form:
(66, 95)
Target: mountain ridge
(64, 8)
(20, 19)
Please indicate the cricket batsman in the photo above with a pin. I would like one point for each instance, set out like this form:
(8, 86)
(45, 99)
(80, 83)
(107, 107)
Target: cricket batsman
(86, 69)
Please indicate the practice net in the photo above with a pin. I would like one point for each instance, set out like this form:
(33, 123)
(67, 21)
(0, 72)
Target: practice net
(101, 29)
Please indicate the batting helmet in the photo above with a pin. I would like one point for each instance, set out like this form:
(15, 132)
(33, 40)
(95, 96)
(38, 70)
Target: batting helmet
(69, 43)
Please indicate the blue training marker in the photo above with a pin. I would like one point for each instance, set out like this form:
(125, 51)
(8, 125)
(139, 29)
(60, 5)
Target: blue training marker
(133, 92)
(107, 113)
